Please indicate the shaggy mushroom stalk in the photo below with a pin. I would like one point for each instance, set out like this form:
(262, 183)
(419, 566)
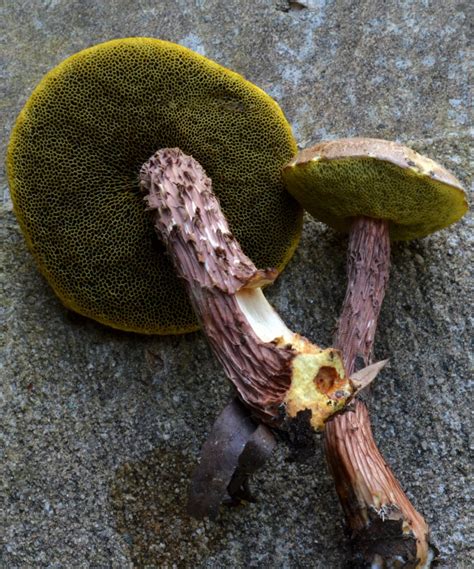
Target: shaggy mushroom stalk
(377, 191)
(368, 265)
(278, 374)
(384, 525)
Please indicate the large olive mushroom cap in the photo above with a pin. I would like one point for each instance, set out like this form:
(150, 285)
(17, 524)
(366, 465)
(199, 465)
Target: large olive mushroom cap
(342, 179)
(76, 152)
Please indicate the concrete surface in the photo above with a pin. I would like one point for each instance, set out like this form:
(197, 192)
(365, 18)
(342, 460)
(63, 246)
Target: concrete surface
(100, 430)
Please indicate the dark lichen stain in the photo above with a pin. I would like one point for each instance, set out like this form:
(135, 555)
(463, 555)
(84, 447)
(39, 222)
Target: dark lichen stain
(149, 503)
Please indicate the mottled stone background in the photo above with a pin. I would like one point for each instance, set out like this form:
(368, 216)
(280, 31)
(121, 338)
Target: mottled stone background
(100, 430)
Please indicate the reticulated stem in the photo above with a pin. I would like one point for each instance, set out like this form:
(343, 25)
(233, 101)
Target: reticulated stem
(276, 372)
(368, 266)
(385, 527)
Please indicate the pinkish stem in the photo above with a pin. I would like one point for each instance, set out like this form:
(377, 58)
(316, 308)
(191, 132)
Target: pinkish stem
(385, 528)
(368, 265)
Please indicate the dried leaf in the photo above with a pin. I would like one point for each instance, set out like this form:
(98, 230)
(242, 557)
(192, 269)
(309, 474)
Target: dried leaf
(256, 452)
(236, 447)
(364, 377)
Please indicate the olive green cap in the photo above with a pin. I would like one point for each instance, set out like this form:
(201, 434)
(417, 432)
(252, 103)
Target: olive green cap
(338, 180)
(73, 163)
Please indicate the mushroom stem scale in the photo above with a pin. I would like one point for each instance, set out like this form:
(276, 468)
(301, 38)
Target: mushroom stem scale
(384, 526)
(276, 372)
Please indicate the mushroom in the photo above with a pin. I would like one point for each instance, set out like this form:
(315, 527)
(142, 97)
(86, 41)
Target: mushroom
(281, 376)
(377, 191)
(73, 162)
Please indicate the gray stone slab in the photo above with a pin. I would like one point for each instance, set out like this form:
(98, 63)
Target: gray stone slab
(100, 430)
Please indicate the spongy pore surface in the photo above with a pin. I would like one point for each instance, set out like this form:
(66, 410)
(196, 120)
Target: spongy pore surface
(73, 164)
(416, 201)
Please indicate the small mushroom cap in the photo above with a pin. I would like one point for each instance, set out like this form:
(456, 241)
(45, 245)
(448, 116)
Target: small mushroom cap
(75, 155)
(342, 179)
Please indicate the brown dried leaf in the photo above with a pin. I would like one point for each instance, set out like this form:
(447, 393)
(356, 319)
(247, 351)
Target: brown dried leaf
(364, 377)
(235, 448)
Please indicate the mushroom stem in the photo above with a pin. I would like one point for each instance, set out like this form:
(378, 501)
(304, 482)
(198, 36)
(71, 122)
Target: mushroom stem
(277, 373)
(385, 527)
(368, 265)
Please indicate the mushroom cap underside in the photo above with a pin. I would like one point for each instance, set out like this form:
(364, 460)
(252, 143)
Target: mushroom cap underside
(338, 180)
(74, 158)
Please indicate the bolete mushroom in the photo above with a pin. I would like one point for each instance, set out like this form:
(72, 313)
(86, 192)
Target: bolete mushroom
(278, 374)
(377, 191)
(73, 162)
